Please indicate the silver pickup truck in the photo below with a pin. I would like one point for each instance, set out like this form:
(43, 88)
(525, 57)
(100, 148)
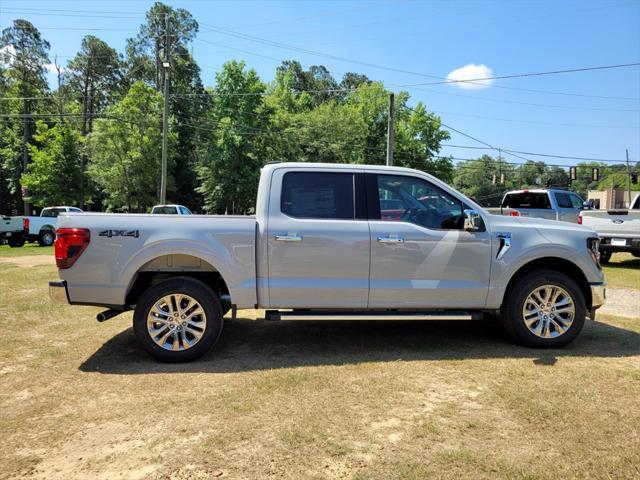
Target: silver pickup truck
(331, 242)
(552, 204)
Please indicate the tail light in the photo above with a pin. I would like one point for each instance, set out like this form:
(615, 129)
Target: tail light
(70, 243)
(514, 213)
(580, 220)
(25, 224)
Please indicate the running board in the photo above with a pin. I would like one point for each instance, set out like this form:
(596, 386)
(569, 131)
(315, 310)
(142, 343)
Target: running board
(275, 315)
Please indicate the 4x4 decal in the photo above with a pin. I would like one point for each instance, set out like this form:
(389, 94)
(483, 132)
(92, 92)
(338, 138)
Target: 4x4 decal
(119, 233)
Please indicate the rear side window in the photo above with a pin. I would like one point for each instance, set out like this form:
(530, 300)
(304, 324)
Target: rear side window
(318, 195)
(564, 200)
(526, 200)
(52, 212)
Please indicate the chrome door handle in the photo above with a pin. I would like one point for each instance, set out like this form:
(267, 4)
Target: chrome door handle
(289, 237)
(391, 239)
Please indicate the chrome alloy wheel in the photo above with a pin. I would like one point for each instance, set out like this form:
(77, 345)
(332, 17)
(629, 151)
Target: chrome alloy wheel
(548, 311)
(176, 322)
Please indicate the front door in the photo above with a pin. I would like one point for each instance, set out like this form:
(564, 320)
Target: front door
(318, 240)
(420, 255)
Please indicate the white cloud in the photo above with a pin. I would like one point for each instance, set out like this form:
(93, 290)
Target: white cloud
(469, 72)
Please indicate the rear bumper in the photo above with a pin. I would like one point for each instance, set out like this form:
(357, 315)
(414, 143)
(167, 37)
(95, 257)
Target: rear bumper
(58, 292)
(631, 244)
(598, 295)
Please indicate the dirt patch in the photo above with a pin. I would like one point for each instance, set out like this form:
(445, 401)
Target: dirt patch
(621, 302)
(30, 260)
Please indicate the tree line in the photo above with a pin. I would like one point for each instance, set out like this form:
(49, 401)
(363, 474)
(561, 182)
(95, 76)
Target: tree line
(95, 139)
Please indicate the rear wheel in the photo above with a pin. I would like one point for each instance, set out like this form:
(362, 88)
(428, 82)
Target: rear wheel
(605, 256)
(544, 309)
(46, 238)
(178, 320)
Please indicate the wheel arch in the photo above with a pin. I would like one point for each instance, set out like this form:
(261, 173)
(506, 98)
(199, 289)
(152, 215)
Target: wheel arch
(557, 264)
(163, 267)
(46, 227)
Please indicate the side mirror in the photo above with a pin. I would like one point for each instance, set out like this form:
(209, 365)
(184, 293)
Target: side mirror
(586, 206)
(472, 220)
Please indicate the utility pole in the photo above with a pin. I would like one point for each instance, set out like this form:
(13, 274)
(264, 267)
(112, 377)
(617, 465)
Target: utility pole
(390, 132)
(60, 102)
(628, 180)
(613, 193)
(165, 113)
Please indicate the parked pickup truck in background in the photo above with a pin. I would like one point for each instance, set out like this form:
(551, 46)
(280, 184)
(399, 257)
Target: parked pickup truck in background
(619, 230)
(323, 247)
(13, 230)
(42, 229)
(550, 204)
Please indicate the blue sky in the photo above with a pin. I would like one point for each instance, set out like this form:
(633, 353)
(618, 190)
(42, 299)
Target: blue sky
(427, 38)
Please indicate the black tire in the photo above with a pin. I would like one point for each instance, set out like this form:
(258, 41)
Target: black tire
(15, 242)
(46, 238)
(202, 294)
(605, 256)
(514, 302)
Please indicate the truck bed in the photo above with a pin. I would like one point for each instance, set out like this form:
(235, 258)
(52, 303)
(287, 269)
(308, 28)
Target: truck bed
(130, 243)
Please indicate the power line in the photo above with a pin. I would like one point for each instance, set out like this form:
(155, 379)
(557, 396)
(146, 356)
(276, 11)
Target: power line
(539, 154)
(534, 122)
(532, 74)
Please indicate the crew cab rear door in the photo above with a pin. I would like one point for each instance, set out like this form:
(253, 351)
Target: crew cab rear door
(423, 258)
(318, 239)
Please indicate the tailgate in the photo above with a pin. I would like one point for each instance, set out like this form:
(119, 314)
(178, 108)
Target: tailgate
(621, 223)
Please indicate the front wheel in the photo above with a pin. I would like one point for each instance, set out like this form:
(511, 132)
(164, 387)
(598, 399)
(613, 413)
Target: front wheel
(544, 309)
(178, 320)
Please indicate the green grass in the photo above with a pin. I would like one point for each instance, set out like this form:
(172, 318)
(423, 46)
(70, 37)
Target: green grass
(27, 249)
(623, 271)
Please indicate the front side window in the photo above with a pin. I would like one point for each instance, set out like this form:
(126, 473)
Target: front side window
(185, 211)
(413, 200)
(318, 195)
(576, 201)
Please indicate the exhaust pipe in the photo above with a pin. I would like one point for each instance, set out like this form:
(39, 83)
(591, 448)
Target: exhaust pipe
(107, 314)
